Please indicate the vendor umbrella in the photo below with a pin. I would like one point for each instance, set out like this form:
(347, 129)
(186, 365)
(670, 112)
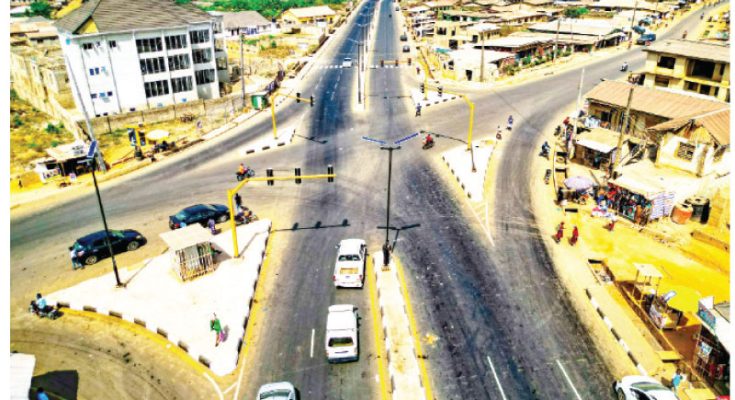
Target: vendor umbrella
(579, 183)
(158, 134)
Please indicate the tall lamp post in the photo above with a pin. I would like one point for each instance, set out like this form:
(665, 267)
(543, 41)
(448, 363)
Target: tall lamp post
(390, 148)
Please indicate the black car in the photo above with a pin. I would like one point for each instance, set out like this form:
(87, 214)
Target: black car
(200, 213)
(93, 247)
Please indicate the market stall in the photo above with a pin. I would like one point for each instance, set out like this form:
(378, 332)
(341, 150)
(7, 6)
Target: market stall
(596, 148)
(671, 306)
(639, 200)
(192, 254)
(711, 357)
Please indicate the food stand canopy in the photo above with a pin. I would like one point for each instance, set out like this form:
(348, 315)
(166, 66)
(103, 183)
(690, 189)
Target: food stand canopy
(190, 235)
(21, 374)
(648, 271)
(685, 299)
(647, 189)
(599, 139)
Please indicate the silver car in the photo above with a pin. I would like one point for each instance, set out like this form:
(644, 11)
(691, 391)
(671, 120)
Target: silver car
(642, 388)
(277, 391)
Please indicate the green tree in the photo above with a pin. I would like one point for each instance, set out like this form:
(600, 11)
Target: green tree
(575, 12)
(40, 7)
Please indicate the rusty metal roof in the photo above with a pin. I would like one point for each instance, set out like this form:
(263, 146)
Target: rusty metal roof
(692, 49)
(717, 123)
(663, 103)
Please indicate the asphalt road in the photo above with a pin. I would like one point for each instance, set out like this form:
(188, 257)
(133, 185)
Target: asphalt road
(500, 301)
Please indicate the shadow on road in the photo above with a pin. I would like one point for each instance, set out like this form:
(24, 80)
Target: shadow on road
(312, 138)
(318, 225)
(57, 384)
(398, 231)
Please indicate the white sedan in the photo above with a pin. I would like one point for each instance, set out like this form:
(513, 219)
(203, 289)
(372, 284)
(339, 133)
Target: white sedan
(642, 388)
(277, 391)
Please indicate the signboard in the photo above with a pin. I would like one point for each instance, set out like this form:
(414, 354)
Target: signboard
(92, 149)
(706, 315)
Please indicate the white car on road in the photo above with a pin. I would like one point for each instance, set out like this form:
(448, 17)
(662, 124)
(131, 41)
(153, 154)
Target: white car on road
(277, 391)
(642, 388)
(347, 63)
(349, 269)
(341, 337)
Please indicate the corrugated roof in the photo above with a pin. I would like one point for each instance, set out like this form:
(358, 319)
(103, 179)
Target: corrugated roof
(515, 41)
(439, 3)
(190, 235)
(242, 19)
(589, 27)
(692, 49)
(309, 12)
(126, 15)
(717, 123)
(650, 100)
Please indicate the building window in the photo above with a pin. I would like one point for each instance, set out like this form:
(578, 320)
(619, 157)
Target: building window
(112, 44)
(661, 81)
(692, 86)
(109, 94)
(149, 45)
(93, 95)
(666, 62)
(94, 71)
(87, 46)
(152, 65)
(722, 69)
(178, 62)
(204, 76)
(176, 42)
(157, 88)
(719, 152)
(182, 84)
(685, 151)
(199, 36)
(705, 89)
(702, 69)
(202, 56)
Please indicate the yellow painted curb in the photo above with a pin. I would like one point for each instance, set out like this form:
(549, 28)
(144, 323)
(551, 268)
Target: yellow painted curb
(414, 330)
(137, 329)
(377, 328)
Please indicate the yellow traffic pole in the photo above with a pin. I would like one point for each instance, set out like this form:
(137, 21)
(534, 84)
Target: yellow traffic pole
(273, 115)
(469, 133)
(233, 225)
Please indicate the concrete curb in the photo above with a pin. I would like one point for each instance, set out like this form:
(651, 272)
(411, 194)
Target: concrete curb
(402, 304)
(153, 327)
(459, 179)
(609, 325)
(274, 144)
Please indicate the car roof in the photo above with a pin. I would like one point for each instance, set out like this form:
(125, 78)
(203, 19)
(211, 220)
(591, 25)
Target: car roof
(197, 207)
(276, 386)
(350, 246)
(341, 317)
(93, 236)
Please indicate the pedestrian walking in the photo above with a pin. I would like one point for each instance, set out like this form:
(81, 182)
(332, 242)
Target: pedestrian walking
(216, 326)
(559, 232)
(676, 381)
(20, 184)
(211, 226)
(238, 200)
(613, 220)
(575, 236)
(75, 263)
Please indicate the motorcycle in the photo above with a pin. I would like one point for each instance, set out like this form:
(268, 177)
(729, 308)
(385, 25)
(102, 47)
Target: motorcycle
(547, 176)
(624, 68)
(49, 312)
(428, 144)
(245, 218)
(249, 173)
(544, 153)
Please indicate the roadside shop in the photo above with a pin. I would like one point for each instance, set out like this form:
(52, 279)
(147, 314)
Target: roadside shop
(712, 352)
(638, 200)
(596, 149)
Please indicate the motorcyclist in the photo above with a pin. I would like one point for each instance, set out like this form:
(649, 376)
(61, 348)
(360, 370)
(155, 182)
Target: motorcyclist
(241, 170)
(418, 110)
(428, 140)
(510, 122)
(684, 35)
(545, 148)
(624, 67)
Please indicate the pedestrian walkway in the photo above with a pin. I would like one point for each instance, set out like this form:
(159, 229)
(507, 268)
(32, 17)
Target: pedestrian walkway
(155, 298)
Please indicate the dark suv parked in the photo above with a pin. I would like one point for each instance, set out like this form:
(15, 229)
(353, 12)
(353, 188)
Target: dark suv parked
(93, 247)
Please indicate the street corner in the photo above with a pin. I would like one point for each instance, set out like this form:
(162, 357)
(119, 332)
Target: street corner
(283, 137)
(430, 98)
(469, 167)
(197, 296)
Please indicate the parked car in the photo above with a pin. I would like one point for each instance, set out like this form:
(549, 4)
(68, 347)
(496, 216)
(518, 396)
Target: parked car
(646, 37)
(406, 48)
(341, 337)
(347, 62)
(404, 38)
(93, 247)
(349, 269)
(642, 388)
(277, 391)
(199, 214)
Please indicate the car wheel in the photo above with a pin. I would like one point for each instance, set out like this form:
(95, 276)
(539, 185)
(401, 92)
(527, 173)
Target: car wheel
(222, 218)
(621, 395)
(132, 246)
(91, 260)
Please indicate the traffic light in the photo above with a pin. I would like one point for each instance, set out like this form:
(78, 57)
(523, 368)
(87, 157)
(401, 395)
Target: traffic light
(269, 174)
(440, 91)
(423, 88)
(297, 172)
(330, 171)
(311, 100)
(298, 97)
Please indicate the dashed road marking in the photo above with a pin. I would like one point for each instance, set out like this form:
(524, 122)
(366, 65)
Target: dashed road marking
(497, 380)
(561, 367)
(311, 352)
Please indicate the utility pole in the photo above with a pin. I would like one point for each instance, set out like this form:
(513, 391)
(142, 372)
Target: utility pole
(390, 150)
(576, 117)
(100, 160)
(632, 21)
(104, 223)
(360, 57)
(623, 128)
(242, 70)
(556, 41)
(482, 57)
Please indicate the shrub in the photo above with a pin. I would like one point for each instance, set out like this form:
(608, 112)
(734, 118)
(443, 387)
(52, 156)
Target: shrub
(273, 44)
(51, 128)
(54, 143)
(17, 121)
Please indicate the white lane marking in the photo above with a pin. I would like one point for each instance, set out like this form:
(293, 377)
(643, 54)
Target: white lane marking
(216, 388)
(568, 380)
(239, 379)
(311, 353)
(484, 228)
(230, 388)
(492, 367)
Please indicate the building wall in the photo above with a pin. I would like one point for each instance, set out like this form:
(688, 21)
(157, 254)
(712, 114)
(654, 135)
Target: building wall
(678, 78)
(116, 80)
(703, 160)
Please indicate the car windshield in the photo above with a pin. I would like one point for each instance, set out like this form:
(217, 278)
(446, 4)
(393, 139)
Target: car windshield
(340, 342)
(117, 234)
(349, 257)
(275, 394)
(648, 386)
(78, 246)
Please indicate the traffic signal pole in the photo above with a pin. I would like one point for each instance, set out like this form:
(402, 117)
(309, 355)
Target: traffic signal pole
(273, 107)
(231, 194)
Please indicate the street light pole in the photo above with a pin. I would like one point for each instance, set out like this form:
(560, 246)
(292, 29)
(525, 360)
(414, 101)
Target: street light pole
(242, 71)
(104, 222)
(390, 172)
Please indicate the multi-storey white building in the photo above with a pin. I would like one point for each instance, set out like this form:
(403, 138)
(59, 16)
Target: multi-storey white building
(127, 55)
